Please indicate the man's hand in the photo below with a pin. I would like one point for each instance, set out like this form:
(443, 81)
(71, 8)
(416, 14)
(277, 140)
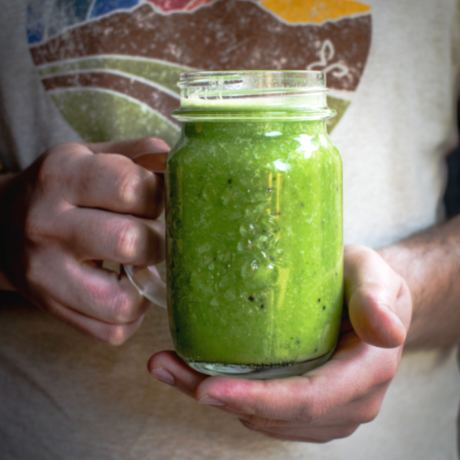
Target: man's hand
(332, 401)
(76, 206)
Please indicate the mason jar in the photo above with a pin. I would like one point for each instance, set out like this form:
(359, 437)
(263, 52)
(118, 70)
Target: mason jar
(254, 225)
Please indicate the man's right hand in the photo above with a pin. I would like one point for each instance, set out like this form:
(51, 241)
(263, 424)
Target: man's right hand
(76, 206)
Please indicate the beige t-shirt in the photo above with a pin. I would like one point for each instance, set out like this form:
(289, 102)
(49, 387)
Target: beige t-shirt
(106, 69)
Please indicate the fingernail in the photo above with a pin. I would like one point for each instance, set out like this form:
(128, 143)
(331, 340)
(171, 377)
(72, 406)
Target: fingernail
(163, 375)
(211, 401)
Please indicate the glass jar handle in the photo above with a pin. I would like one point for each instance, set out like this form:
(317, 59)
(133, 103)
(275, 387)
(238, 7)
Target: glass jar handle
(147, 279)
(149, 283)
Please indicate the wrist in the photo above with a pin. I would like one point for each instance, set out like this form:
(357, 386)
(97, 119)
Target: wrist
(428, 261)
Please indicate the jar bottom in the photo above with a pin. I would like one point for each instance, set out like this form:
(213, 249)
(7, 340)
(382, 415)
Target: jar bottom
(259, 372)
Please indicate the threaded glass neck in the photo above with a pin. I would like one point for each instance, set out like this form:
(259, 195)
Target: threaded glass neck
(300, 95)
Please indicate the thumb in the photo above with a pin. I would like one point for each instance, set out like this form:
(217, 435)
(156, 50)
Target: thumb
(378, 299)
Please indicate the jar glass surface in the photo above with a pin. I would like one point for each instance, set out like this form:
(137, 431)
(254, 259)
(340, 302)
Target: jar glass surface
(254, 225)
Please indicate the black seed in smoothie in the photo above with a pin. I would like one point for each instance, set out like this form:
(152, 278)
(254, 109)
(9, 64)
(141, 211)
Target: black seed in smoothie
(262, 306)
(337, 189)
(251, 298)
(301, 204)
(324, 307)
(319, 300)
(272, 258)
(264, 231)
(278, 214)
(297, 342)
(336, 274)
(316, 350)
(229, 181)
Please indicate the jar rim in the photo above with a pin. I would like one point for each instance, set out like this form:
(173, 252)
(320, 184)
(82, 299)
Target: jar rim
(273, 94)
(302, 78)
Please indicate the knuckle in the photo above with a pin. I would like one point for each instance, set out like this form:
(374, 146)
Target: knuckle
(310, 413)
(315, 438)
(369, 416)
(32, 270)
(370, 411)
(128, 189)
(124, 309)
(92, 169)
(147, 144)
(128, 242)
(387, 371)
(31, 229)
(261, 422)
(69, 146)
(327, 435)
(393, 368)
(50, 166)
(47, 173)
(114, 305)
(143, 144)
(345, 432)
(39, 276)
(115, 335)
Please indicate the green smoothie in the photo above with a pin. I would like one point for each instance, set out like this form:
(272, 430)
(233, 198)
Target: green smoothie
(254, 242)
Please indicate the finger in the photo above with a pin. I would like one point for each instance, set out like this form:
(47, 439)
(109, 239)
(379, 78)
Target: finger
(375, 296)
(91, 234)
(348, 389)
(167, 363)
(305, 434)
(112, 182)
(105, 295)
(149, 152)
(293, 431)
(355, 370)
(152, 162)
(132, 147)
(362, 410)
(88, 290)
(112, 334)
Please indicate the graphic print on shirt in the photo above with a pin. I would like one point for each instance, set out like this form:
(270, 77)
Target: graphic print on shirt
(111, 66)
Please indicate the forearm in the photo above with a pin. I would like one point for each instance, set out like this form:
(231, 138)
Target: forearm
(5, 179)
(430, 264)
